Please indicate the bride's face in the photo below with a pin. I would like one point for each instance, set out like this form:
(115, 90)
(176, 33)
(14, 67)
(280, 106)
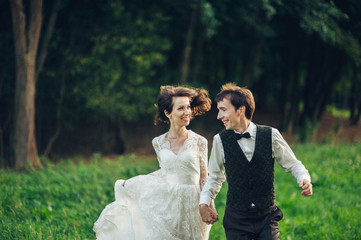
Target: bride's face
(181, 112)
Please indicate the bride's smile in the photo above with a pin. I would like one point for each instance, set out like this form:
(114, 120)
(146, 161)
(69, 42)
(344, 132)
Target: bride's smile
(181, 112)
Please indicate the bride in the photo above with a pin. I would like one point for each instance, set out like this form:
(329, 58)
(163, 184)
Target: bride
(163, 205)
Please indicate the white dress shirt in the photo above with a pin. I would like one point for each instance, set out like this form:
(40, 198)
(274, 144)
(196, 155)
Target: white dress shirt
(280, 151)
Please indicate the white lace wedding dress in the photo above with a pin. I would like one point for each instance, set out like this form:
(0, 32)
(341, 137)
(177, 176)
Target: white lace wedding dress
(162, 205)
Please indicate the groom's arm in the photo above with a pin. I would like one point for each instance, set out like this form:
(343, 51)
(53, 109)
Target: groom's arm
(215, 173)
(214, 181)
(288, 161)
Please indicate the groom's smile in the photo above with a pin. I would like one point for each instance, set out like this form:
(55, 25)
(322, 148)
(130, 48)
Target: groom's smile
(227, 113)
(225, 122)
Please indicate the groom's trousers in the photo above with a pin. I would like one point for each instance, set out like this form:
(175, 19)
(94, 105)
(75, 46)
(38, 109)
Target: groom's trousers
(252, 224)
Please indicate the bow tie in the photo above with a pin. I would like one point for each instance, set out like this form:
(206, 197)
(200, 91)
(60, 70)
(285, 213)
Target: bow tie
(243, 135)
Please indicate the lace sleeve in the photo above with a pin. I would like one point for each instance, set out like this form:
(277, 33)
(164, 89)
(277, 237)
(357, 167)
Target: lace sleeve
(157, 173)
(203, 156)
(156, 148)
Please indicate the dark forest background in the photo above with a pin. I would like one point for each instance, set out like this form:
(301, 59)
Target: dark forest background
(78, 77)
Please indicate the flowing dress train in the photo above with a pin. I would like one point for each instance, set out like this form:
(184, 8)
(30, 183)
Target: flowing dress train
(162, 205)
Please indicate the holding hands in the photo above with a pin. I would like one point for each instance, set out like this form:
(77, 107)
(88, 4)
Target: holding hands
(208, 213)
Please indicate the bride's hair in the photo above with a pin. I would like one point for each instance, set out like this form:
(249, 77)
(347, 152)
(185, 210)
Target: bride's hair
(198, 97)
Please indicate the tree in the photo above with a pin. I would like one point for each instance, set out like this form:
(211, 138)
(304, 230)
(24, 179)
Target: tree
(355, 98)
(26, 38)
(189, 43)
(27, 25)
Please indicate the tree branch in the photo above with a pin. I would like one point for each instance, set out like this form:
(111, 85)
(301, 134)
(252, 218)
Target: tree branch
(44, 44)
(33, 34)
(18, 16)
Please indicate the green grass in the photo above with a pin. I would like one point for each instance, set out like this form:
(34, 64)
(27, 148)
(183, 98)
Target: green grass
(63, 200)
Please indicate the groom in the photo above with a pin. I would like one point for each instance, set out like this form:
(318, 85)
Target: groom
(246, 152)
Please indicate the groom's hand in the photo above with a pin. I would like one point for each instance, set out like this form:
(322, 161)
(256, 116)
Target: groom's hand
(306, 187)
(208, 214)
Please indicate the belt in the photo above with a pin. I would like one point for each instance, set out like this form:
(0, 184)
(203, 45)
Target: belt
(253, 208)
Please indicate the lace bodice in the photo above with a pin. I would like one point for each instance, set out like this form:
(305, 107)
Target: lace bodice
(189, 165)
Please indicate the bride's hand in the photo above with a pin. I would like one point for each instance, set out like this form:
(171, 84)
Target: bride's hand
(213, 213)
(208, 213)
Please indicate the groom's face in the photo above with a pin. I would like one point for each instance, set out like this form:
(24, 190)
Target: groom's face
(228, 114)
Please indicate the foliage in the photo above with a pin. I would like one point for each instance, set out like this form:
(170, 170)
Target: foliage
(109, 74)
(63, 200)
(124, 56)
(106, 60)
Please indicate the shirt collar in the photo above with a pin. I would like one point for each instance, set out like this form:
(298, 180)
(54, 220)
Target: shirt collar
(252, 129)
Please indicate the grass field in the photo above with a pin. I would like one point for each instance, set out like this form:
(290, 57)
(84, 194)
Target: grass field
(63, 200)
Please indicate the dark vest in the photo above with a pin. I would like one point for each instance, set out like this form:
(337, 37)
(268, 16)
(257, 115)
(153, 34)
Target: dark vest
(249, 182)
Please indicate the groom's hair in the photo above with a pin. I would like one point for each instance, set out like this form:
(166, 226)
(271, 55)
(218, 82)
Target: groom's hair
(238, 96)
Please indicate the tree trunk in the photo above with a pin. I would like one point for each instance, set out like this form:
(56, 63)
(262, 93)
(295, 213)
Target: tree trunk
(324, 71)
(199, 51)
(357, 116)
(252, 59)
(188, 47)
(313, 83)
(58, 116)
(333, 72)
(295, 103)
(355, 98)
(283, 97)
(26, 46)
(289, 99)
